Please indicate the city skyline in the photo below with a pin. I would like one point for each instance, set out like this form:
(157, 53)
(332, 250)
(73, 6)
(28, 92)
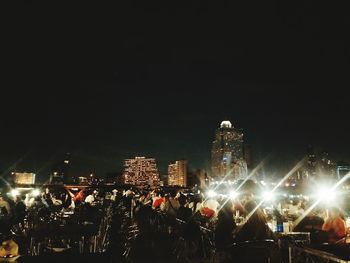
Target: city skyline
(175, 131)
(140, 82)
(88, 168)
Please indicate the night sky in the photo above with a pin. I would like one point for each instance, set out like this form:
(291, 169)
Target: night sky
(156, 79)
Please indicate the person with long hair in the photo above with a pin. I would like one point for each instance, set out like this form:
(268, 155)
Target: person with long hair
(255, 241)
(334, 225)
(225, 226)
(256, 227)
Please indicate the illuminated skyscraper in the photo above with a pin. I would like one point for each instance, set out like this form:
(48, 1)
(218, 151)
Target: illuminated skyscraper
(177, 173)
(23, 178)
(141, 171)
(227, 153)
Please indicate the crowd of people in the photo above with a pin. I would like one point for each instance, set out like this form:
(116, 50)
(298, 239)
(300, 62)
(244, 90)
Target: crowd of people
(24, 215)
(175, 225)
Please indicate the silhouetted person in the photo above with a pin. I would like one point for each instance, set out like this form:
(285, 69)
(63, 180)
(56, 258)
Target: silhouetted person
(19, 210)
(183, 213)
(256, 227)
(225, 227)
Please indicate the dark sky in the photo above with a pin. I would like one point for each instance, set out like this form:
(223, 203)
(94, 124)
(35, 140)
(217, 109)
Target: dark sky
(157, 78)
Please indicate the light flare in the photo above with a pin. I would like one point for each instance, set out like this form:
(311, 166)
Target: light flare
(332, 189)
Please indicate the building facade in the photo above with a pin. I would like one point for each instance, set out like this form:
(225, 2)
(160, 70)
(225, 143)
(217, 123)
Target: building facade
(23, 178)
(227, 153)
(327, 166)
(141, 171)
(61, 169)
(177, 173)
(343, 169)
(311, 163)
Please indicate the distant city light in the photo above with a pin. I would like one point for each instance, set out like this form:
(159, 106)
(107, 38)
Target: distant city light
(211, 193)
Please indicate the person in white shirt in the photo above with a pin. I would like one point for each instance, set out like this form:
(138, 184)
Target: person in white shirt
(90, 199)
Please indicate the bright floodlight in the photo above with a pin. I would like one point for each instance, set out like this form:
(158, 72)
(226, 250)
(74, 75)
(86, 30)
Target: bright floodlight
(326, 195)
(268, 196)
(14, 192)
(211, 193)
(233, 194)
(35, 192)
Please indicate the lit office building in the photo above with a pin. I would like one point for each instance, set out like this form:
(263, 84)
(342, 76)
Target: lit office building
(227, 153)
(23, 178)
(141, 171)
(60, 170)
(177, 173)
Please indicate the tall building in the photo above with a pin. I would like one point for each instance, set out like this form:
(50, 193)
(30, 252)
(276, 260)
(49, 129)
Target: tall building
(141, 171)
(248, 156)
(177, 173)
(23, 178)
(327, 167)
(310, 168)
(227, 153)
(60, 170)
(343, 168)
(319, 165)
